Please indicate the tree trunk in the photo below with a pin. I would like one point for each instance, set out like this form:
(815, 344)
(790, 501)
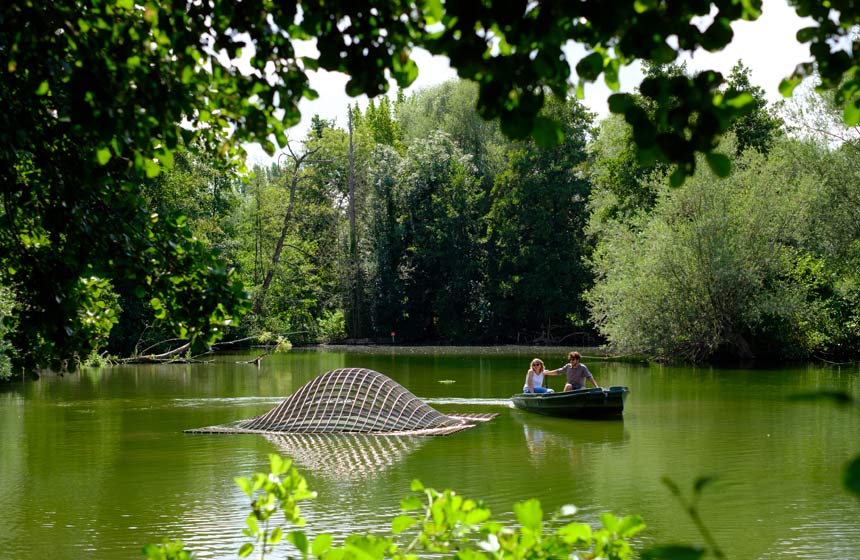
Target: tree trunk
(279, 246)
(353, 243)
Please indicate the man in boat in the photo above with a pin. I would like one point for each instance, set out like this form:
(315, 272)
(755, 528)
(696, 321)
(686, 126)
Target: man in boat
(576, 373)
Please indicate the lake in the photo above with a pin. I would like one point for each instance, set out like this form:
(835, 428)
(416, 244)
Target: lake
(96, 464)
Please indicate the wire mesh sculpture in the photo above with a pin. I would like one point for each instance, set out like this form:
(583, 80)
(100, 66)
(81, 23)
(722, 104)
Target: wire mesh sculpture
(352, 400)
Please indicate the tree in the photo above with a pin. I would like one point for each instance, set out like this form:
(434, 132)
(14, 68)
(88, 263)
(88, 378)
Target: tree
(759, 128)
(535, 230)
(386, 241)
(716, 269)
(439, 220)
(450, 107)
(98, 95)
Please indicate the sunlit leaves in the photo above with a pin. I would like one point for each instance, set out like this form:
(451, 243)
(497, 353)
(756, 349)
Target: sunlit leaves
(529, 514)
(401, 523)
(851, 113)
(167, 550)
(103, 155)
(576, 534)
(279, 490)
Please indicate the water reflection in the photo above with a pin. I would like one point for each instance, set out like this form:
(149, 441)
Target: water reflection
(342, 457)
(552, 438)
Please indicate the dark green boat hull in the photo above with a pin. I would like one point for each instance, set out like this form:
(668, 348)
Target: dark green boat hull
(582, 403)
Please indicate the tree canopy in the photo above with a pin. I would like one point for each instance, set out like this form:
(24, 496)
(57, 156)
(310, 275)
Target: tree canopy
(98, 95)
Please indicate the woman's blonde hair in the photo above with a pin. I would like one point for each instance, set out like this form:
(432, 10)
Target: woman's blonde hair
(537, 362)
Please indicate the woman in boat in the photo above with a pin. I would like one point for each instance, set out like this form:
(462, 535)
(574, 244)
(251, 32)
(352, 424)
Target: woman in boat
(576, 373)
(534, 378)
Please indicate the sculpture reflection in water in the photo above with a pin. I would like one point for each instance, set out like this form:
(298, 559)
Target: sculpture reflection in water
(345, 457)
(349, 423)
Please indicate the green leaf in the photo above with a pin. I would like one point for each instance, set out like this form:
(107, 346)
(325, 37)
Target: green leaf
(404, 69)
(610, 522)
(642, 6)
(720, 164)
(276, 536)
(151, 168)
(630, 525)
(411, 503)
(103, 155)
(590, 67)
(678, 176)
(529, 514)
(300, 540)
(321, 544)
(806, 34)
(547, 132)
(416, 486)
(786, 86)
(851, 113)
(160, 312)
(477, 516)
(663, 54)
(739, 101)
(620, 102)
(433, 11)
(673, 552)
(610, 75)
(245, 550)
(43, 88)
(401, 523)
(717, 35)
(244, 484)
(574, 533)
(851, 479)
(251, 522)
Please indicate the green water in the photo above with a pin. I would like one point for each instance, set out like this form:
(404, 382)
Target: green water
(95, 465)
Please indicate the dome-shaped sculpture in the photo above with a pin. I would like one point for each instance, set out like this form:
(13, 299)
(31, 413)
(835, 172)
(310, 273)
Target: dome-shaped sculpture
(353, 400)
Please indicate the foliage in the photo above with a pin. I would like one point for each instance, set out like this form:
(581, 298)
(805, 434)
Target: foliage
(303, 280)
(332, 326)
(433, 522)
(386, 240)
(450, 107)
(7, 302)
(535, 231)
(439, 204)
(280, 490)
(621, 186)
(818, 116)
(707, 274)
(99, 96)
(759, 128)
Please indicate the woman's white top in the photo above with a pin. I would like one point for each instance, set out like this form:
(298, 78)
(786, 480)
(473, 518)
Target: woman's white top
(537, 380)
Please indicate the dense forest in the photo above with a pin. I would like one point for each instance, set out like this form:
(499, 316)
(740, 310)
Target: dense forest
(419, 221)
(695, 223)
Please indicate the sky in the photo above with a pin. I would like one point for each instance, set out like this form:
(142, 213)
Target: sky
(767, 46)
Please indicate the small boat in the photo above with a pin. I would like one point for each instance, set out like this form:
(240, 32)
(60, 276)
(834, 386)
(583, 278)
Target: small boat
(598, 402)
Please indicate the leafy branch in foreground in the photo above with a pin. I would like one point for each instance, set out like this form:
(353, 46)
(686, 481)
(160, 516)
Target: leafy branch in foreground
(433, 522)
(680, 551)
